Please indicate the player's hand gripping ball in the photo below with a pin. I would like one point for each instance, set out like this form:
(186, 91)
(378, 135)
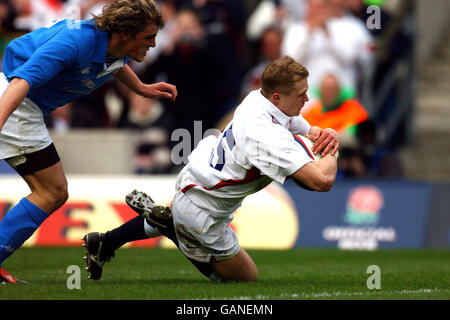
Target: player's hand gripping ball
(307, 144)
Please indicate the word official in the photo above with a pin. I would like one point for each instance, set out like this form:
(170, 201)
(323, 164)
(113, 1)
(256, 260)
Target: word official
(231, 309)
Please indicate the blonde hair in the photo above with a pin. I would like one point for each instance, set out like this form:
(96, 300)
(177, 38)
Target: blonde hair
(130, 16)
(281, 75)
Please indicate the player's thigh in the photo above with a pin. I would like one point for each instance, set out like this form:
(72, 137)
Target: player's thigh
(240, 267)
(49, 179)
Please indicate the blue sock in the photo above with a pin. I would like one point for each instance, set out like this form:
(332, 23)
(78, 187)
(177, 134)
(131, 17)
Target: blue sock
(18, 225)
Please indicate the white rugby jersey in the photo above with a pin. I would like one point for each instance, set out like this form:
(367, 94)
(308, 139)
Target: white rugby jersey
(256, 147)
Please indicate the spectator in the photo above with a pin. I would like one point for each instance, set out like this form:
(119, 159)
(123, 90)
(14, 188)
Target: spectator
(104, 108)
(379, 160)
(269, 50)
(326, 42)
(350, 164)
(153, 141)
(224, 22)
(358, 9)
(335, 108)
(83, 9)
(268, 14)
(60, 119)
(369, 158)
(143, 112)
(394, 45)
(34, 14)
(22, 16)
(152, 153)
(9, 11)
(295, 9)
(191, 64)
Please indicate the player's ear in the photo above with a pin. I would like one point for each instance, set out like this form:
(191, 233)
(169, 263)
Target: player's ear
(125, 36)
(275, 97)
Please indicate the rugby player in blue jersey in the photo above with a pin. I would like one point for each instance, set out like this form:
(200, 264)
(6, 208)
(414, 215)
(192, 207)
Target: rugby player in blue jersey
(48, 68)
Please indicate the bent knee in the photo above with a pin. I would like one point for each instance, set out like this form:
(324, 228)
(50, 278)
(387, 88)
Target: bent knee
(248, 274)
(240, 268)
(55, 196)
(60, 195)
(247, 277)
(251, 277)
(59, 191)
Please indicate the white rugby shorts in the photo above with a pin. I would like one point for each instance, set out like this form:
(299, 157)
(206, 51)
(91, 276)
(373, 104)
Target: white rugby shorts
(200, 235)
(24, 131)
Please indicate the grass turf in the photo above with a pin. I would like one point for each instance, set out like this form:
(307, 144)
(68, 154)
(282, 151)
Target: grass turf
(298, 274)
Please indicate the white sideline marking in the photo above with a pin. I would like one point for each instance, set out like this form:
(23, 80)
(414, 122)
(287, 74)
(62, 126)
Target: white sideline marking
(332, 294)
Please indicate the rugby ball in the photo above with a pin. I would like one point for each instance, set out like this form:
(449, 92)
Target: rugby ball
(306, 144)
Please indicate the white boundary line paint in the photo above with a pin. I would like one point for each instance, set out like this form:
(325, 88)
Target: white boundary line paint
(334, 294)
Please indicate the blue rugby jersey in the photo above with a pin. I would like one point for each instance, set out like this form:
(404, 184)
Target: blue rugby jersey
(61, 63)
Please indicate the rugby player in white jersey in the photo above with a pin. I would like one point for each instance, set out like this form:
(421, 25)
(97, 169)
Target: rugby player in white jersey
(256, 148)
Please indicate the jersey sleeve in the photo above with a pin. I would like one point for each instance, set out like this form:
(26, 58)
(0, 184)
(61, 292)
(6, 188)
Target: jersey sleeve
(299, 125)
(47, 61)
(273, 150)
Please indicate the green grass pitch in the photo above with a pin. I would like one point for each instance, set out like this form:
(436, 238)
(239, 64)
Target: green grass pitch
(297, 274)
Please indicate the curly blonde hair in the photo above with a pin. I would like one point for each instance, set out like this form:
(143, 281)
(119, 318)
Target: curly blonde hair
(130, 16)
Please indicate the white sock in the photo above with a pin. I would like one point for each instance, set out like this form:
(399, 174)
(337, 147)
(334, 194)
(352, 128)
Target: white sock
(150, 231)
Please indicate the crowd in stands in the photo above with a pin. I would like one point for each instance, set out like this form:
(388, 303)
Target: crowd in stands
(214, 51)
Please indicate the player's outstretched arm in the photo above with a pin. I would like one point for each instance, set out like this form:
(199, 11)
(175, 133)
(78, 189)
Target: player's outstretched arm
(317, 175)
(157, 90)
(11, 99)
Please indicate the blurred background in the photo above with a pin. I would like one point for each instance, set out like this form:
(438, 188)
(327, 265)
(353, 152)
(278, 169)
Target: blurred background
(379, 74)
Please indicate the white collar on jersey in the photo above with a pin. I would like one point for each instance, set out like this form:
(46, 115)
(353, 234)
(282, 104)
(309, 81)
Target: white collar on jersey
(278, 115)
(113, 68)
